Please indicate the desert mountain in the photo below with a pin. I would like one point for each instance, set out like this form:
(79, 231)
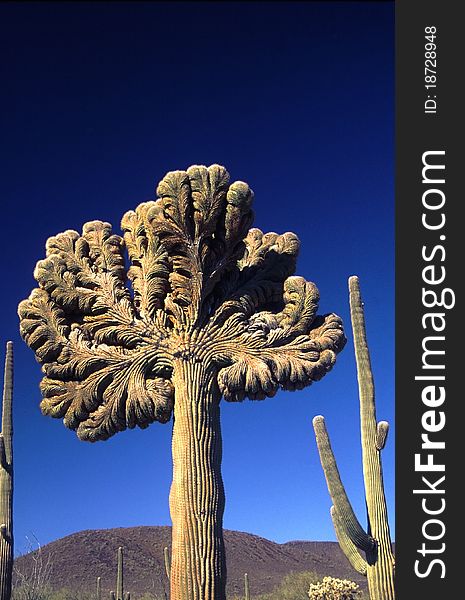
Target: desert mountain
(78, 559)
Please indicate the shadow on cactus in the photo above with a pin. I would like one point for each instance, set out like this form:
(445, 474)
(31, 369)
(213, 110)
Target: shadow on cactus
(214, 311)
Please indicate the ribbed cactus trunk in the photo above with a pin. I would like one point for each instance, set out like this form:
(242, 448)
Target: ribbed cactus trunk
(198, 566)
(6, 480)
(380, 561)
(119, 576)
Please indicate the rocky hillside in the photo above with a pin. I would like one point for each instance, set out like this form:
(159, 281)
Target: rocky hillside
(77, 560)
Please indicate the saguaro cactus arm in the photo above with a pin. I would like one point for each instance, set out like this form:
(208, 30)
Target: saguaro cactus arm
(6, 479)
(382, 430)
(346, 516)
(347, 545)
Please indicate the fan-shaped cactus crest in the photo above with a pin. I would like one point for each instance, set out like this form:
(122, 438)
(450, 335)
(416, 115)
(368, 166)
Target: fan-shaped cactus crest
(215, 310)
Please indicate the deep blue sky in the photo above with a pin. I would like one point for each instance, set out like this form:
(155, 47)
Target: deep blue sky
(297, 99)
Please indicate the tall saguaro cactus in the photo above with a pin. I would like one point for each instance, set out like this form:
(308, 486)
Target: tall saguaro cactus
(6, 479)
(120, 576)
(246, 586)
(376, 544)
(215, 311)
(120, 595)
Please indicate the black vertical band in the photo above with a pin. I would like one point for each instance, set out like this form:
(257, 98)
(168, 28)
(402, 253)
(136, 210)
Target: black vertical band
(429, 248)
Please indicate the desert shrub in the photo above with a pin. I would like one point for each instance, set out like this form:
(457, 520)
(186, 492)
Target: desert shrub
(28, 591)
(33, 582)
(334, 589)
(67, 594)
(293, 586)
(153, 596)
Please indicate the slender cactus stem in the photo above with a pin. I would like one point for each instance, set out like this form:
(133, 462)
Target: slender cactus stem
(6, 479)
(246, 586)
(167, 561)
(119, 577)
(338, 494)
(347, 545)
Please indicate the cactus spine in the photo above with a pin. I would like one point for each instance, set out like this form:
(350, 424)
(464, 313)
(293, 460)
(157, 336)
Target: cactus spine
(376, 544)
(6, 479)
(246, 586)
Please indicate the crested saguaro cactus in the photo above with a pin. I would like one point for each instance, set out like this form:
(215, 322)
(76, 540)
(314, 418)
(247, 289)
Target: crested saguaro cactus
(215, 311)
(376, 544)
(6, 479)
